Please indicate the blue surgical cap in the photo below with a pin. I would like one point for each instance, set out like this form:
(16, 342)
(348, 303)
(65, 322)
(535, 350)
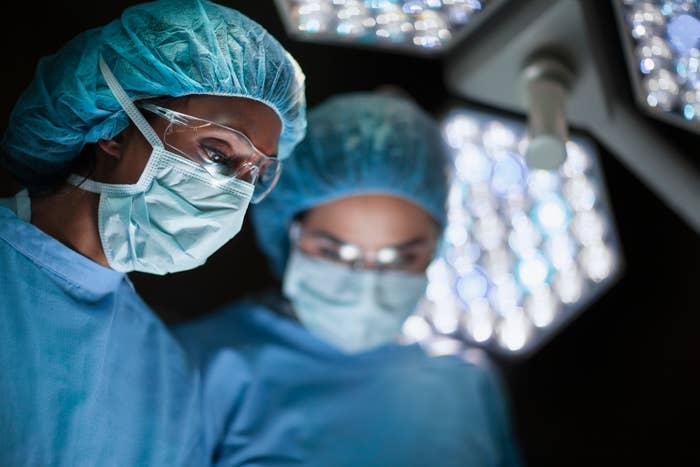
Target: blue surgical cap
(164, 48)
(357, 143)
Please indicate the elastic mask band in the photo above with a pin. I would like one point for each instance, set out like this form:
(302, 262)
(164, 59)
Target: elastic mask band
(24, 206)
(85, 183)
(128, 106)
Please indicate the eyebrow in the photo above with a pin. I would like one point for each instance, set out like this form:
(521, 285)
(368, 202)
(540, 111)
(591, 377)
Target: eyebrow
(223, 127)
(399, 246)
(220, 122)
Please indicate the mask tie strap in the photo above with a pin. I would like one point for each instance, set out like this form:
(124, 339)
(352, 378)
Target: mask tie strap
(123, 98)
(86, 184)
(24, 206)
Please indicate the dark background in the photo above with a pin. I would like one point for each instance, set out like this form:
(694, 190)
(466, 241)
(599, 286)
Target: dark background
(618, 386)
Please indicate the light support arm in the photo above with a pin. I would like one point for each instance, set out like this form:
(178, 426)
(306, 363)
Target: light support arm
(546, 82)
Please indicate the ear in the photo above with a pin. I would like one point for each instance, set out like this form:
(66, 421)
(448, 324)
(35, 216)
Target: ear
(113, 147)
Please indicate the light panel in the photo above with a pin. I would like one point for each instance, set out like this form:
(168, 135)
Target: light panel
(662, 44)
(524, 250)
(425, 26)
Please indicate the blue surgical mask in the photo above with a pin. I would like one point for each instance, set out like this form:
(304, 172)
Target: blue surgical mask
(174, 217)
(352, 309)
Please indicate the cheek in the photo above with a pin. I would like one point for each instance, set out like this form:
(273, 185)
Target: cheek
(134, 161)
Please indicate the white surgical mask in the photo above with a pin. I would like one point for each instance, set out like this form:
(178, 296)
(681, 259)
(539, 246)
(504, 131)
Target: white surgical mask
(352, 309)
(174, 217)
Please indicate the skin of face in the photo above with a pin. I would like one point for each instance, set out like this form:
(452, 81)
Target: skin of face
(372, 222)
(69, 214)
(252, 118)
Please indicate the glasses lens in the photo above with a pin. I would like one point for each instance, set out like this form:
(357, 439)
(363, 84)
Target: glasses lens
(412, 259)
(223, 152)
(267, 178)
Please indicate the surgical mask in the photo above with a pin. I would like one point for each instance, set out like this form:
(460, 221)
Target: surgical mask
(352, 309)
(174, 217)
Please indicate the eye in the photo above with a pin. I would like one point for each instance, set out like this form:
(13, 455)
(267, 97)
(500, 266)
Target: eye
(214, 155)
(328, 253)
(406, 259)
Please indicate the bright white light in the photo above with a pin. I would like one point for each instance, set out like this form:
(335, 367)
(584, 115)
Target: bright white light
(353, 19)
(533, 272)
(438, 271)
(460, 131)
(457, 234)
(524, 236)
(542, 183)
(479, 320)
(576, 162)
(314, 16)
(438, 291)
(509, 174)
(498, 136)
(688, 69)
(445, 317)
(483, 201)
(598, 262)
(498, 262)
(506, 294)
(561, 251)
(432, 29)
(439, 280)
(513, 259)
(589, 227)
(580, 194)
(691, 105)
(568, 284)
(472, 285)
(463, 258)
(472, 165)
(646, 18)
(663, 36)
(514, 330)
(551, 215)
(413, 7)
(662, 90)
(683, 31)
(416, 329)
(439, 346)
(406, 24)
(489, 231)
(515, 202)
(541, 306)
(457, 200)
(654, 54)
(392, 23)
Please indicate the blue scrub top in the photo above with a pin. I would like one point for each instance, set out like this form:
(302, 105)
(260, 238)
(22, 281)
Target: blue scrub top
(88, 374)
(277, 396)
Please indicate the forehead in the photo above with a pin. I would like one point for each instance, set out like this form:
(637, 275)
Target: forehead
(371, 221)
(258, 121)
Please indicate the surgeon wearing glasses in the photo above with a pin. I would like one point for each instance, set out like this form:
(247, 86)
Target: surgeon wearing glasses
(140, 145)
(320, 379)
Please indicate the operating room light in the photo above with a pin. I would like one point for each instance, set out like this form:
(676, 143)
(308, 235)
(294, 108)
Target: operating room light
(525, 249)
(662, 43)
(422, 25)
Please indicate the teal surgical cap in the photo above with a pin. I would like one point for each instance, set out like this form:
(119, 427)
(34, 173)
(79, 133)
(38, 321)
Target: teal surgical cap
(356, 143)
(164, 48)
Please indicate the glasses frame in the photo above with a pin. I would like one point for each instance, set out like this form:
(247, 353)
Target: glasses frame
(364, 258)
(182, 119)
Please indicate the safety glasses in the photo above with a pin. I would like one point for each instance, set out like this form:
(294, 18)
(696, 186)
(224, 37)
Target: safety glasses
(222, 151)
(412, 256)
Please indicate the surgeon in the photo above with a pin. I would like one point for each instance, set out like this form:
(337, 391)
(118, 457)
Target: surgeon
(139, 145)
(320, 378)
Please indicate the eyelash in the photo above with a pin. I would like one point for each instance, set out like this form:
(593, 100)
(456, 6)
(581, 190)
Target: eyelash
(328, 253)
(208, 151)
